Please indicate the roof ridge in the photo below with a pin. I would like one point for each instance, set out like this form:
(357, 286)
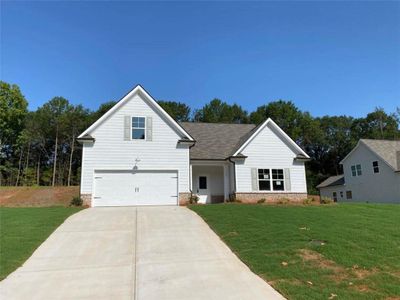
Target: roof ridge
(217, 123)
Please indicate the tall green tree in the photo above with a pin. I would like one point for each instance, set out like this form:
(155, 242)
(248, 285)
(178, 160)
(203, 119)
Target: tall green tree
(177, 110)
(218, 111)
(76, 120)
(13, 111)
(54, 113)
(377, 125)
(284, 113)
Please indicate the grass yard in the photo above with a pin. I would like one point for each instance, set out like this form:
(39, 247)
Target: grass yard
(22, 230)
(347, 251)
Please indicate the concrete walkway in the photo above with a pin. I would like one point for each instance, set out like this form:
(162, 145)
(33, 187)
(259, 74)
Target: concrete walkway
(134, 253)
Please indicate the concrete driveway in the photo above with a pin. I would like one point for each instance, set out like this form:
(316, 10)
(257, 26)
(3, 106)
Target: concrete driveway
(134, 253)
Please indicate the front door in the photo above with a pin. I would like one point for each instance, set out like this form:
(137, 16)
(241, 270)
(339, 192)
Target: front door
(203, 189)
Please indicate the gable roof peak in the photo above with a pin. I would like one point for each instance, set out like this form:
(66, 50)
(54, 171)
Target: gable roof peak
(147, 97)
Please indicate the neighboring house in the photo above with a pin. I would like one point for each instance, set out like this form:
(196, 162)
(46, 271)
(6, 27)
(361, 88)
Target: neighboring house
(136, 154)
(371, 174)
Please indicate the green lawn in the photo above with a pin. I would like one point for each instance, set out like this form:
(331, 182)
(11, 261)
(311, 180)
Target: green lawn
(347, 251)
(22, 230)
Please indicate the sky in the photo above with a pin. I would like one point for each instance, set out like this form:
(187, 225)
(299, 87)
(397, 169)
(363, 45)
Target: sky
(329, 58)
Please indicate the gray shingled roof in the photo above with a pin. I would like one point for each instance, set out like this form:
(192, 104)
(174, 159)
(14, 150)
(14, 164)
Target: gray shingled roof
(387, 150)
(216, 140)
(332, 181)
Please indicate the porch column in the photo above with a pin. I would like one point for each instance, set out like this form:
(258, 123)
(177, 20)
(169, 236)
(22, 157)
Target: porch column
(226, 182)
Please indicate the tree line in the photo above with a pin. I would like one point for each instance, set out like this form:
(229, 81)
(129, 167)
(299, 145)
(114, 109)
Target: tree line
(39, 147)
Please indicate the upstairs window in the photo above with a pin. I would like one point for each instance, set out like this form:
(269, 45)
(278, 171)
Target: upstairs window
(353, 171)
(138, 128)
(358, 167)
(356, 170)
(375, 165)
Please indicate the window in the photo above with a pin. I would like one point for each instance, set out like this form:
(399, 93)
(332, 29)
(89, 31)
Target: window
(358, 167)
(349, 195)
(334, 194)
(341, 194)
(375, 165)
(277, 180)
(271, 179)
(356, 170)
(202, 182)
(138, 128)
(264, 180)
(353, 171)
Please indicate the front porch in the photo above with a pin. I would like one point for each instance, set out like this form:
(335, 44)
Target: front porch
(211, 181)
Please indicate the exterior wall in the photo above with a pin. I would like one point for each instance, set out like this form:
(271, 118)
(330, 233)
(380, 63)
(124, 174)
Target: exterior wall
(370, 187)
(111, 151)
(270, 197)
(215, 179)
(328, 192)
(269, 150)
(87, 199)
(184, 198)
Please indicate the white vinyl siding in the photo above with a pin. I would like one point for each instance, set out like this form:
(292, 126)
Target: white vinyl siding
(269, 151)
(112, 151)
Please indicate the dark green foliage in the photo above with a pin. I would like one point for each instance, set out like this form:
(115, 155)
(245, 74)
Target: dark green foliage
(76, 201)
(218, 111)
(352, 246)
(177, 110)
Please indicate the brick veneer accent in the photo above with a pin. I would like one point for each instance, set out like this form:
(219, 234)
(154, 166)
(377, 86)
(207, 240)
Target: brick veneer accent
(184, 198)
(270, 197)
(87, 199)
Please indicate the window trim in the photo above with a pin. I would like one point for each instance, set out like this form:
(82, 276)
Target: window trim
(206, 182)
(145, 128)
(376, 168)
(359, 170)
(355, 171)
(271, 181)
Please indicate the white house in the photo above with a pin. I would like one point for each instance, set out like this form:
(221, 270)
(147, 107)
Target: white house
(136, 154)
(371, 174)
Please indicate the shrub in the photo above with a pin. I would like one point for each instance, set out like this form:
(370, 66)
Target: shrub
(308, 201)
(76, 201)
(232, 197)
(283, 201)
(262, 200)
(193, 199)
(326, 200)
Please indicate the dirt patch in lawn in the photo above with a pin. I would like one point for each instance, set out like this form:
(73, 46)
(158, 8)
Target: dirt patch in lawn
(339, 273)
(37, 196)
(318, 259)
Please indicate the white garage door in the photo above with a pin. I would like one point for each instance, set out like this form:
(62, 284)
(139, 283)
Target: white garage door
(127, 188)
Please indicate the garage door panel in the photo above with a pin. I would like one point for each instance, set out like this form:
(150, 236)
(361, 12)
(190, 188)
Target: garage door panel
(126, 188)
